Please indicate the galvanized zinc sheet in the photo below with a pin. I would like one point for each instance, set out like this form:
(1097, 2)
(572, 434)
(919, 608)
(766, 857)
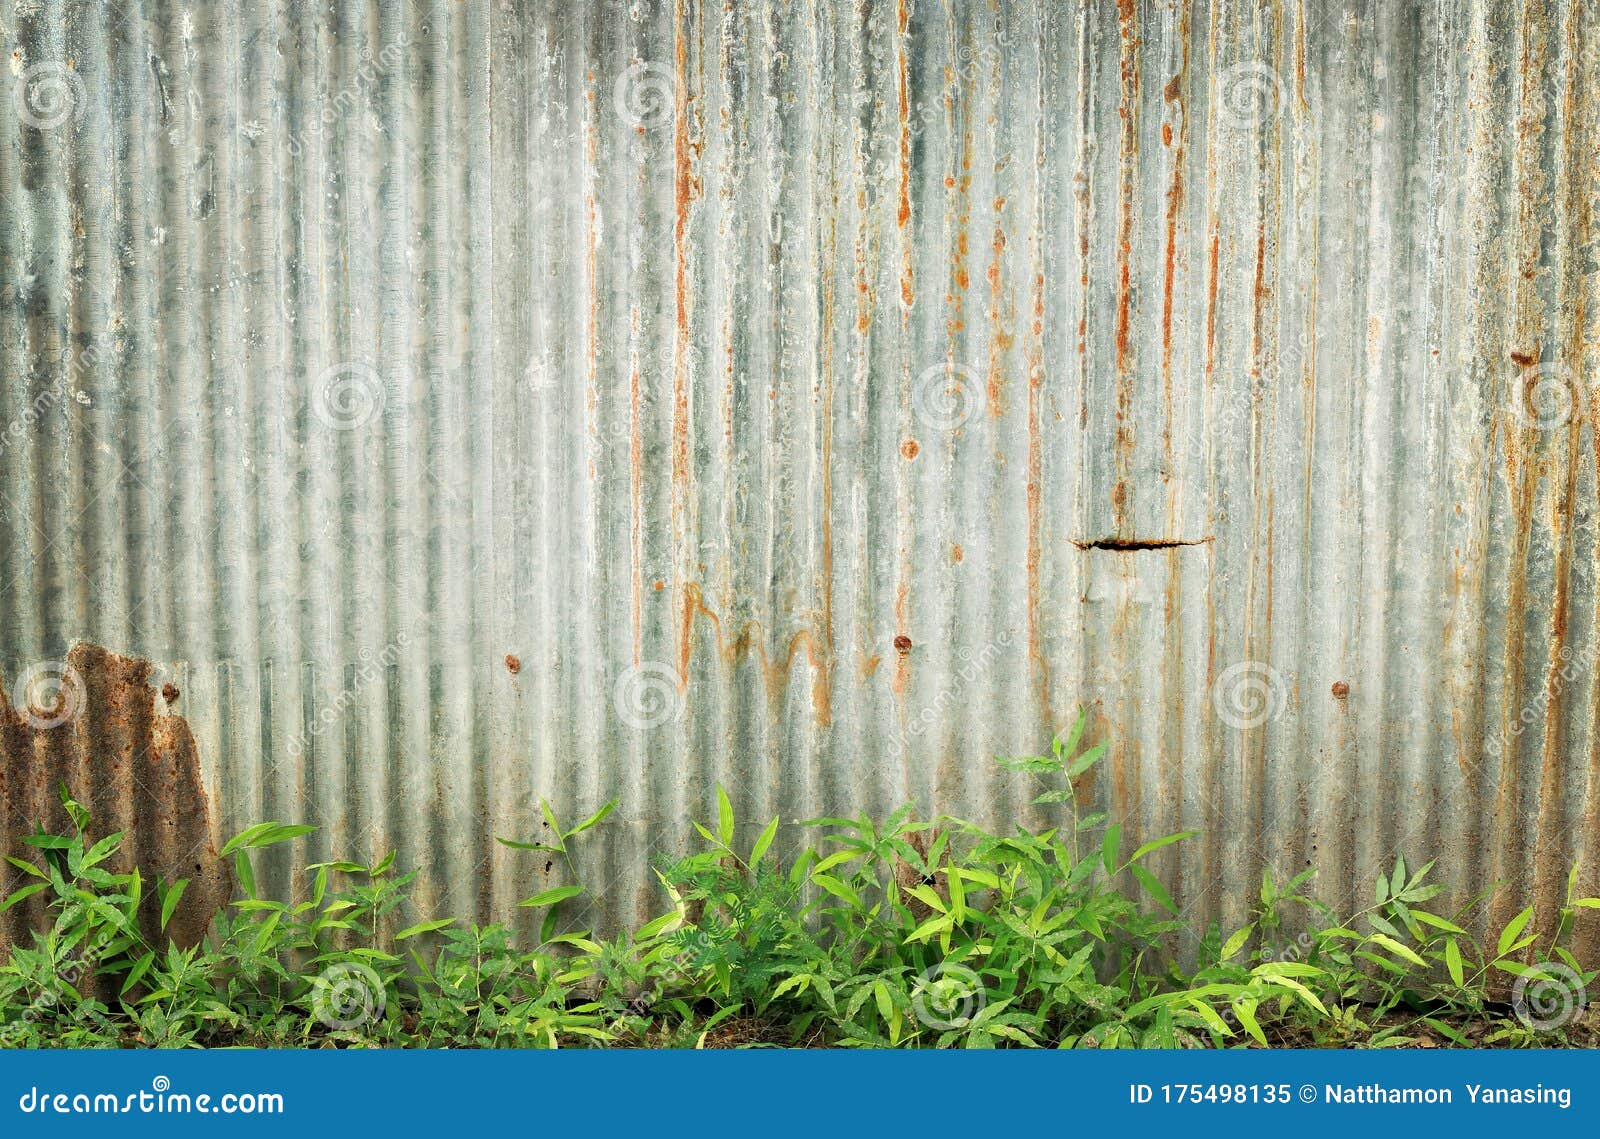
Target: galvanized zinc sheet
(464, 403)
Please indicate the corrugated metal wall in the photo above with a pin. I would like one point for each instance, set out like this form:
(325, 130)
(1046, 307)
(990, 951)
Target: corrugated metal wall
(472, 402)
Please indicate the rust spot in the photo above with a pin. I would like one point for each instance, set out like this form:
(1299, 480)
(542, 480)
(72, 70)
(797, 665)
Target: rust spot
(137, 769)
(169, 693)
(513, 665)
(660, 585)
(909, 449)
(1526, 359)
(957, 554)
(902, 644)
(1341, 689)
(870, 665)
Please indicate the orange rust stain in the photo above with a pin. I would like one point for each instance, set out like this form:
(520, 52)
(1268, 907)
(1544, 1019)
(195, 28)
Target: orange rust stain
(902, 668)
(1001, 340)
(870, 664)
(750, 638)
(138, 764)
(902, 17)
(684, 189)
(957, 555)
(513, 664)
(660, 585)
(169, 693)
(909, 449)
(1526, 359)
(1211, 302)
(1128, 113)
(1166, 134)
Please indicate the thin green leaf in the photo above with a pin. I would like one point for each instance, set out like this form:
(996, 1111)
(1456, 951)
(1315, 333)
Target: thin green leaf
(549, 897)
(724, 817)
(1508, 936)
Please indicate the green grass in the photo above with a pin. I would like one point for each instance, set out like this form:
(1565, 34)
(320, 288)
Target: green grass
(892, 933)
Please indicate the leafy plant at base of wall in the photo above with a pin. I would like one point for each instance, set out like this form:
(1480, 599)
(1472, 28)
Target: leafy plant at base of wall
(1046, 947)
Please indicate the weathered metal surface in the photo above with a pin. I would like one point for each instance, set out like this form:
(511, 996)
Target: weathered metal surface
(475, 402)
(92, 723)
